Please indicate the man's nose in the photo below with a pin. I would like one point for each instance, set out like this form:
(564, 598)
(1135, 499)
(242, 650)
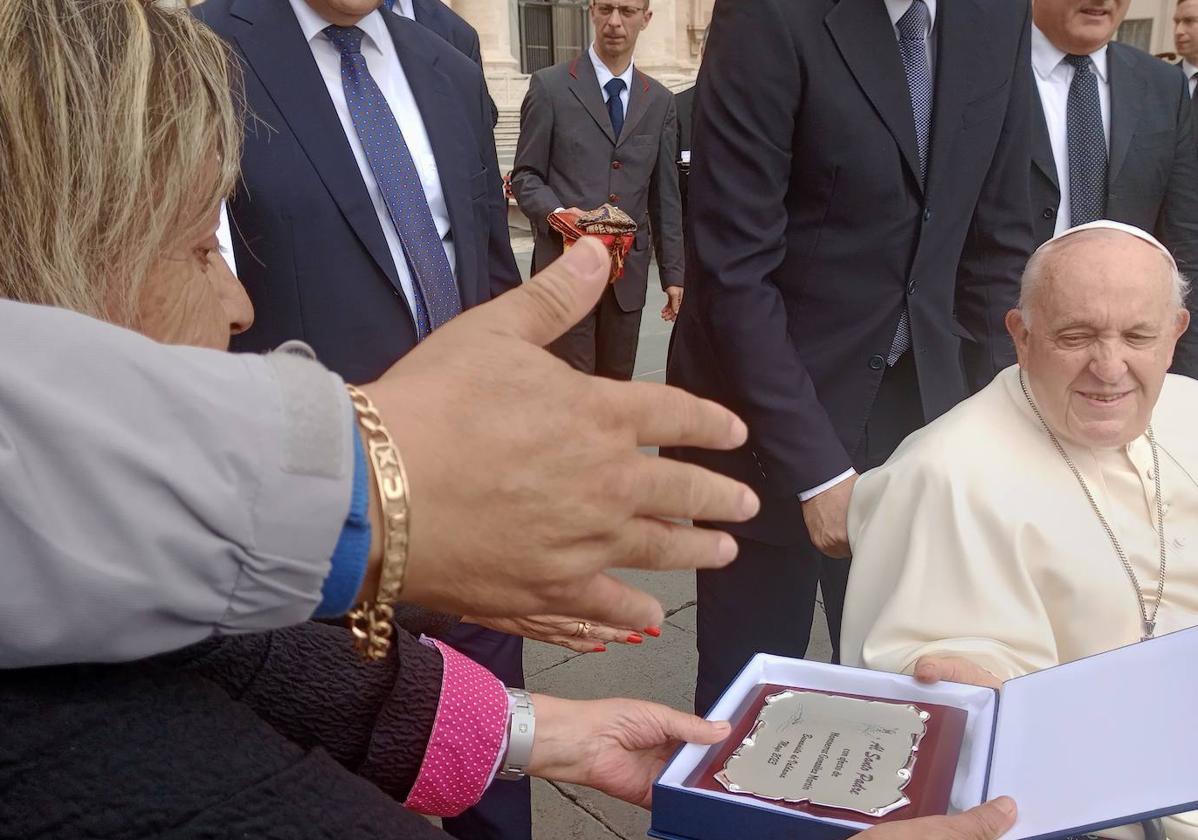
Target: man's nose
(1108, 362)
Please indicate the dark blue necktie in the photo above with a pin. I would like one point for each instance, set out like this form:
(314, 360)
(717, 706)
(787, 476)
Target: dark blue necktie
(615, 108)
(1087, 144)
(434, 290)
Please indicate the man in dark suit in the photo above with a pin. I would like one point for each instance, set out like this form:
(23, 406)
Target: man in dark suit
(1113, 137)
(1185, 41)
(864, 221)
(447, 23)
(684, 104)
(595, 130)
(369, 211)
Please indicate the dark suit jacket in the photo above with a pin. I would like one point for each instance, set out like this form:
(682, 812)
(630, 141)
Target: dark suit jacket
(810, 229)
(567, 156)
(453, 28)
(684, 103)
(1153, 171)
(309, 246)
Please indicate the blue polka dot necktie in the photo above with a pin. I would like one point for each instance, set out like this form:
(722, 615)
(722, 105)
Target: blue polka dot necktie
(435, 292)
(913, 28)
(615, 108)
(1087, 144)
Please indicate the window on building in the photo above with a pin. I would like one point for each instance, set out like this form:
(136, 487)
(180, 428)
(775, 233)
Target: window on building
(551, 31)
(1137, 33)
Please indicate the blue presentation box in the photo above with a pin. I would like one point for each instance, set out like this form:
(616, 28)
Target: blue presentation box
(1105, 741)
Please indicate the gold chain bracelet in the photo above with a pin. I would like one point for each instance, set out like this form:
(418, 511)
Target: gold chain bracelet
(371, 622)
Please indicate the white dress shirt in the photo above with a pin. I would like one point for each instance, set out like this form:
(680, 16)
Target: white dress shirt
(1190, 71)
(1054, 75)
(224, 239)
(403, 8)
(379, 51)
(604, 75)
(895, 9)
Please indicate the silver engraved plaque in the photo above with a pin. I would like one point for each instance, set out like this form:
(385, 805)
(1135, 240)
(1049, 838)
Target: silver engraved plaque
(839, 752)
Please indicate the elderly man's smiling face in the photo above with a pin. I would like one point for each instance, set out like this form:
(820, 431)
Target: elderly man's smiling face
(1098, 339)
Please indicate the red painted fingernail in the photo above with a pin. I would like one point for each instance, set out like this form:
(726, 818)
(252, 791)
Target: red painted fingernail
(599, 649)
(635, 638)
(653, 631)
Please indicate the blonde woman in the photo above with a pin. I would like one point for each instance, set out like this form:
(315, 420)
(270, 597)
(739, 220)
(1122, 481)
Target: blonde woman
(117, 142)
(116, 136)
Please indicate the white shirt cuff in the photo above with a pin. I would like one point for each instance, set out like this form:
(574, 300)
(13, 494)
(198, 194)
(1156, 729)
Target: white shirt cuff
(807, 495)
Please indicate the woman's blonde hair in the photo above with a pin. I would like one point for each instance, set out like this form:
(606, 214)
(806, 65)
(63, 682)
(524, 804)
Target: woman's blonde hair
(118, 133)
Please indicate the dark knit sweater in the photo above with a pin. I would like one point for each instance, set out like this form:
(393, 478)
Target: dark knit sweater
(278, 735)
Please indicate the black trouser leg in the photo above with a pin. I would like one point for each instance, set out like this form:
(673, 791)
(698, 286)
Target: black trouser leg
(764, 602)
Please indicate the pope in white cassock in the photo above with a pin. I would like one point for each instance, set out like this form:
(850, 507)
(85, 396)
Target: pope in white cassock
(1053, 515)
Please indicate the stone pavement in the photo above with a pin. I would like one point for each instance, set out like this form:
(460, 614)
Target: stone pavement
(662, 669)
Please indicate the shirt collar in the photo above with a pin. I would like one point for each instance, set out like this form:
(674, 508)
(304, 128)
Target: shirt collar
(1047, 56)
(1188, 69)
(897, 8)
(312, 24)
(605, 75)
(403, 8)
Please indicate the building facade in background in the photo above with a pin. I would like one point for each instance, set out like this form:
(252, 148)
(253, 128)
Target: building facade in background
(1149, 25)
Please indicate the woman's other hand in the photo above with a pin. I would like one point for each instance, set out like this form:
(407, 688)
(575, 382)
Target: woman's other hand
(617, 747)
(571, 633)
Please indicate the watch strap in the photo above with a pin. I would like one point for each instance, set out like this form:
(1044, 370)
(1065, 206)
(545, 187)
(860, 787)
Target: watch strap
(521, 729)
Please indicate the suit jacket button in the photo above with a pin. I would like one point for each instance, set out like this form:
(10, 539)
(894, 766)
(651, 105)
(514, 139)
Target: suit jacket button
(927, 215)
(615, 164)
(1049, 213)
(911, 288)
(613, 198)
(876, 362)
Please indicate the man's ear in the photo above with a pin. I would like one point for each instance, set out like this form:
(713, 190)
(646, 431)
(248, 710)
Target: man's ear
(1183, 323)
(1019, 333)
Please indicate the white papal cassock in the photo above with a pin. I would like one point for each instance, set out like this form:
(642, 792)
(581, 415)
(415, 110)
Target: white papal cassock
(976, 539)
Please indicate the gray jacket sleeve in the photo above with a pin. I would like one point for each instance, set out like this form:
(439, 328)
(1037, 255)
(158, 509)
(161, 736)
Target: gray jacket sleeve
(153, 496)
(534, 149)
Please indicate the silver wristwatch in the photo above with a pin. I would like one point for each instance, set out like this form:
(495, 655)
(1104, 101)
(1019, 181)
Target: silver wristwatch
(522, 725)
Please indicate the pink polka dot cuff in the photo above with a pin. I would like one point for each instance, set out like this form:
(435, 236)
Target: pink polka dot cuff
(468, 733)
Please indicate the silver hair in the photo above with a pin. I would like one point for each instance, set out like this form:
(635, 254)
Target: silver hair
(1033, 272)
